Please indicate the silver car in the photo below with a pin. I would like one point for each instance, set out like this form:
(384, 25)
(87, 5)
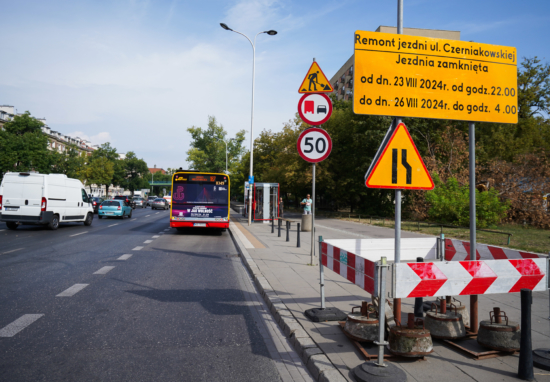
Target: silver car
(160, 203)
(140, 202)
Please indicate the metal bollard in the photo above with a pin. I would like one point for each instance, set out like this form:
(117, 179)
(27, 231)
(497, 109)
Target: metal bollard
(279, 235)
(298, 237)
(525, 368)
(287, 231)
(272, 224)
(418, 301)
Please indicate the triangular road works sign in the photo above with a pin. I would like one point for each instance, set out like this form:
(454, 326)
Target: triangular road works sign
(399, 165)
(315, 81)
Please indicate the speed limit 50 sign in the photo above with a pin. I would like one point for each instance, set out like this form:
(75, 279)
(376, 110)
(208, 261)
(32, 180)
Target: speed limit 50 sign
(314, 145)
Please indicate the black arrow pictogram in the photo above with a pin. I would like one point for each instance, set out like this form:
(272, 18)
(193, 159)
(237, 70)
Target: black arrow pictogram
(403, 162)
(406, 165)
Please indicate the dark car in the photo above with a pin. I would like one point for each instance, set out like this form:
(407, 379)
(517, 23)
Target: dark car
(96, 202)
(160, 203)
(140, 202)
(125, 198)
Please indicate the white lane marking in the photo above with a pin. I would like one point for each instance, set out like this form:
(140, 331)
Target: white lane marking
(134, 219)
(124, 257)
(157, 213)
(137, 249)
(167, 229)
(147, 241)
(113, 225)
(76, 234)
(13, 250)
(2, 230)
(103, 270)
(19, 324)
(156, 236)
(72, 290)
(161, 233)
(147, 215)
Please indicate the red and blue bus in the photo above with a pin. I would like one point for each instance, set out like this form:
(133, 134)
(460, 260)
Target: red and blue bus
(199, 199)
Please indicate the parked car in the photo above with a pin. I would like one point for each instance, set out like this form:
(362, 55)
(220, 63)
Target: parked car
(96, 202)
(125, 198)
(33, 198)
(114, 208)
(160, 203)
(140, 202)
(151, 199)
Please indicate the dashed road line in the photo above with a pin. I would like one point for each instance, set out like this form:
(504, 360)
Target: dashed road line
(161, 233)
(156, 236)
(113, 224)
(137, 248)
(124, 257)
(147, 241)
(2, 230)
(13, 250)
(103, 270)
(19, 324)
(147, 215)
(72, 290)
(76, 234)
(157, 213)
(167, 229)
(133, 219)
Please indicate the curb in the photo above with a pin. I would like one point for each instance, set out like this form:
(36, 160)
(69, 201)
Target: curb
(316, 361)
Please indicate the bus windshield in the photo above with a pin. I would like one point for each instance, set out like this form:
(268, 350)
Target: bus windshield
(200, 197)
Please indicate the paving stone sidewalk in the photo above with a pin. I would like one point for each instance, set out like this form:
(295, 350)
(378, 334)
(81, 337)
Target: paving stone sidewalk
(291, 286)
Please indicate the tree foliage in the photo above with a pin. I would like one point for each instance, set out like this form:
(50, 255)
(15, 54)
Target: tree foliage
(207, 152)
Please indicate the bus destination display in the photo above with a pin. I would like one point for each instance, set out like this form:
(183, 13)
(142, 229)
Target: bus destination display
(413, 76)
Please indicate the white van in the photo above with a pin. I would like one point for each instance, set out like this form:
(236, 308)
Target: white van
(32, 198)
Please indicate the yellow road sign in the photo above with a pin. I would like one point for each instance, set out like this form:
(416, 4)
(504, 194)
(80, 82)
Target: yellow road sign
(315, 81)
(423, 77)
(399, 166)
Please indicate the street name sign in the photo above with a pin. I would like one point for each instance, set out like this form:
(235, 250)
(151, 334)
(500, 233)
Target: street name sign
(315, 109)
(315, 81)
(399, 165)
(413, 76)
(314, 145)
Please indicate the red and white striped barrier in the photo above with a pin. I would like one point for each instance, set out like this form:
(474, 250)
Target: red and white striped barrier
(497, 270)
(456, 250)
(353, 267)
(456, 278)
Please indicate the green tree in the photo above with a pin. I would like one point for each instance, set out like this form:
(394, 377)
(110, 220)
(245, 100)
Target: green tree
(137, 172)
(24, 147)
(70, 162)
(207, 152)
(100, 172)
(450, 203)
(109, 153)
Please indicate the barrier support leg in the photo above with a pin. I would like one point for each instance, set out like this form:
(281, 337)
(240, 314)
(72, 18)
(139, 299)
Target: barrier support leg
(324, 314)
(419, 301)
(525, 367)
(298, 236)
(279, 235)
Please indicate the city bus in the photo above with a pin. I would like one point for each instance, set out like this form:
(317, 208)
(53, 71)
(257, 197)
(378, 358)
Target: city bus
(199, 199)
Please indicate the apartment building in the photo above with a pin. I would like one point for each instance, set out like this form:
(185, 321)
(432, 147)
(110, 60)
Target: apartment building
(7, 113)
(342, 81)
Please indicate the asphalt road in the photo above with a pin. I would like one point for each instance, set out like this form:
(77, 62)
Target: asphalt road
(176, 309)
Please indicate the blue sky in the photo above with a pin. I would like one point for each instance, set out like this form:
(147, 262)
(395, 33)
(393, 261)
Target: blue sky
(138, 73)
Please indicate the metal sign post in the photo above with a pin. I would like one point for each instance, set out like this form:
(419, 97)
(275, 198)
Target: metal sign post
(473, 298)
(313, 217)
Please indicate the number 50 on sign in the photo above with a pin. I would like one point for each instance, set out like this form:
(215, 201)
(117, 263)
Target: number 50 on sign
(314, 145)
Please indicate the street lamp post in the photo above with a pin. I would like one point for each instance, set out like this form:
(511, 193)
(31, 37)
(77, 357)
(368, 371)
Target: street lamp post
(271, 33)
(226, 154)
